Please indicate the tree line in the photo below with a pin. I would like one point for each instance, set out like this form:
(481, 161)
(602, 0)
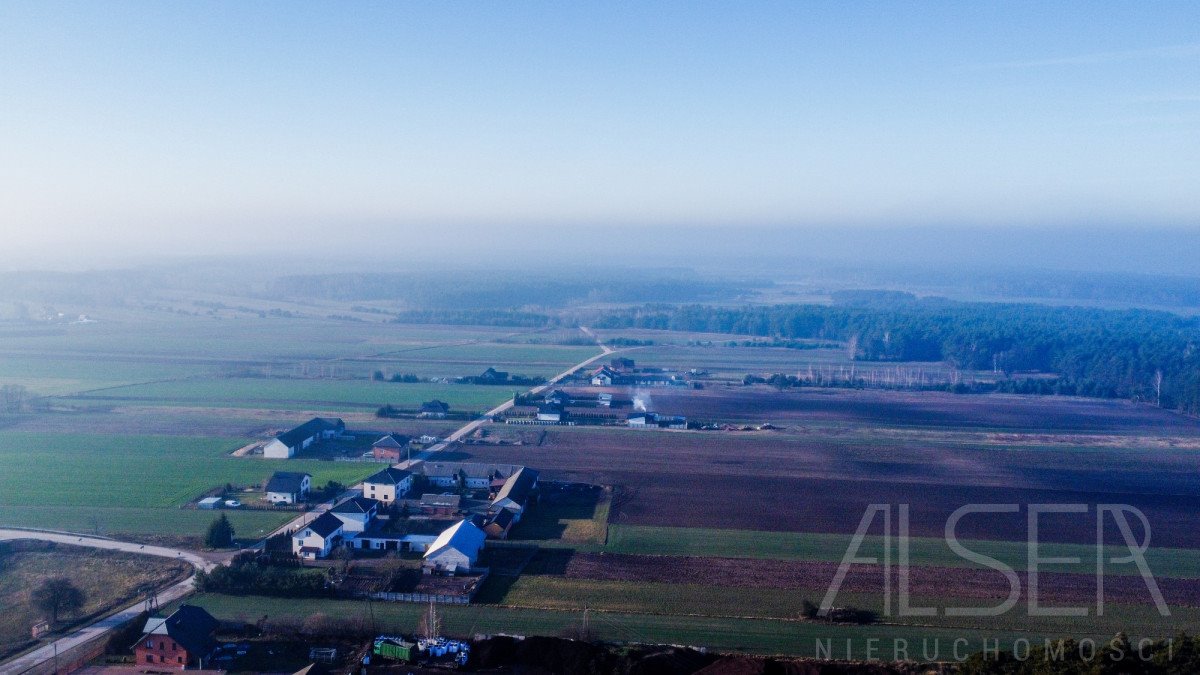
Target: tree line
(1138, 354)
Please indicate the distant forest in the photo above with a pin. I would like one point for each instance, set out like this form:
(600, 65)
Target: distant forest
(1138, 354)
(478, 290)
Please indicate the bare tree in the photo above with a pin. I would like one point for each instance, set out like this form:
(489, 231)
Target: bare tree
(1158, 380)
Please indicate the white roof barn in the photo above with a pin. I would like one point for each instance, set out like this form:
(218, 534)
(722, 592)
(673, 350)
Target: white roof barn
(455, 550)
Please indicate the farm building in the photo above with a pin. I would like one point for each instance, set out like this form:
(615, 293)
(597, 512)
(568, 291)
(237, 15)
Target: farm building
(390, 448)
(177, 641)
(605, 377)
(208, 503)
(434, 409)
(650, 419)
(440, 505)
(288, 443)
(551, 412)
(558, 397)
(516, 491)
(356, 513)
(497, 525)
(455, 550)
(491, 375)
(319, 537)
(288, 487)
(416, 537)
(473, 475)
(605, 400)
(388, 485)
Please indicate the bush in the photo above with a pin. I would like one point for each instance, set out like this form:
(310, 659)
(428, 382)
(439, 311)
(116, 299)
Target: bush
(245, 575)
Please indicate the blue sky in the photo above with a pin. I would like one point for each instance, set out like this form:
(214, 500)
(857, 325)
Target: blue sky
(230, 126)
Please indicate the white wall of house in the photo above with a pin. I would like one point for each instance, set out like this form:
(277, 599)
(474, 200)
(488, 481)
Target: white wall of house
(277, 450)
(354, 522)
(450, 560)
(387, 493)
(308, 538)
(285, 497)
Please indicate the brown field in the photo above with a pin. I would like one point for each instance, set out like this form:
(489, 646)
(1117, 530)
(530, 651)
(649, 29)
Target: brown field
(815, 577)
(942, 411)
(820, 477)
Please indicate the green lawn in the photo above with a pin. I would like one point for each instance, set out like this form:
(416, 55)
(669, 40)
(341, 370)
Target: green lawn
(745, 635)
(134, 483)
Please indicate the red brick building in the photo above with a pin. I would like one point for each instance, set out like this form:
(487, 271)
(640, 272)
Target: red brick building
(183, 639)
(391, 448)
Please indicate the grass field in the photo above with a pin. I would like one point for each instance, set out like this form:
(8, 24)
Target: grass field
(741, 635)
(297, 393)
(684, 599)
(128, 346)
(566, 518)
(108, 579)
(134, 483)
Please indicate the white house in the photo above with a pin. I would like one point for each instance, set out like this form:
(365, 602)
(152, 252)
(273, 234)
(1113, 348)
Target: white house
(455, 550)
(356, 514)
(288, 443)
(388, 485)
(551, 412)
(605, 377)
(379, 540)
(288, 487)
(319, 537)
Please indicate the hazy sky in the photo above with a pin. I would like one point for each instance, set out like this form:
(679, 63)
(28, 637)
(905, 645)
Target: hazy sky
(216, 127)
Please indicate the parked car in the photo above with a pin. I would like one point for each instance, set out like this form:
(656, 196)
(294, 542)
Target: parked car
(232, 503)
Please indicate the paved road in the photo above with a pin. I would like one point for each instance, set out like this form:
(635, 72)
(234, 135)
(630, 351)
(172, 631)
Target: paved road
(184, 587)
(83, 635)
(472, 426)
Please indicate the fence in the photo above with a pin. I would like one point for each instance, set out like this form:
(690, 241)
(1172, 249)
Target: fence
(423, 598)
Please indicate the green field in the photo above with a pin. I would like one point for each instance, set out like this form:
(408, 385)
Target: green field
(46, 376)
(575, 521)
(683, 599)
(297, 394)
(128, 346)
(743, 635)
(135, 483)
